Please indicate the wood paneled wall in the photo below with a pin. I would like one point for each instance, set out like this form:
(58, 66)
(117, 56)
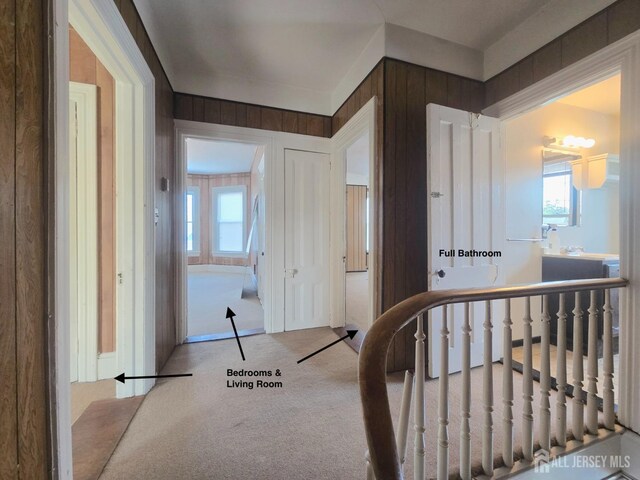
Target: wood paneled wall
(356, 228)
(238, 114)
(166, 202)
(23, 240)
(205, 183)
(84, 67)
(608, 26)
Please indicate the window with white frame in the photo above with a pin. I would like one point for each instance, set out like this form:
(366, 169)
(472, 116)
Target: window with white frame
(229, 220)
(559, 197)
(193, 220)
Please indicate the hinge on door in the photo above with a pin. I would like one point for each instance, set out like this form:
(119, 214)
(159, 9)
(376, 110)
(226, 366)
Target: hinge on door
(120, 279)
(436, 194)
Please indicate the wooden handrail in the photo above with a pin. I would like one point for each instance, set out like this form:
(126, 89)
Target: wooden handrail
(373, 355)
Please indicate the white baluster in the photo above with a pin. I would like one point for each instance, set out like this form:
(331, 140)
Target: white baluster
(403, 422)
(419, 418)
(527, 386)
(465, 407)
(487, 429)
(607, 368)
(592, 367)
(561, 374)
(578, 402)
(443, 405)
(545, 378)
(507, 387)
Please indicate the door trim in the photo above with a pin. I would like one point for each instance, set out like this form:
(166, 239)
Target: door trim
(622, 57)
(275, 144)
(85, 280)
(105, 32)
(363, 121)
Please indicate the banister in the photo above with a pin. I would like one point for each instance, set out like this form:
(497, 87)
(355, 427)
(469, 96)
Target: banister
(373, 355)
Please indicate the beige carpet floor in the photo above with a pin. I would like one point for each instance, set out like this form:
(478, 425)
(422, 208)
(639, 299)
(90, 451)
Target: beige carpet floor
(357, 299)
(208, 296)
(197, 428)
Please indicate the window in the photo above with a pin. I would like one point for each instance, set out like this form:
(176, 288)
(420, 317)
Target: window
(559, 196)
(229, 220)
(193, 220)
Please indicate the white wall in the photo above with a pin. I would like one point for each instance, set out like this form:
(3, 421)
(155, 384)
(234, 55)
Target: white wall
(522, 145)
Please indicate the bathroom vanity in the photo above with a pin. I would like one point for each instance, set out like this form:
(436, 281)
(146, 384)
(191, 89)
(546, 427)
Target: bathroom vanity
(584, 266)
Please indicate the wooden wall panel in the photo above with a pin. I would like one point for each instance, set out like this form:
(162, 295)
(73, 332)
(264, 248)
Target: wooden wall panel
(239, 114)
(166, 202)
(605, 27)
(30, 240)
(8, 360)
(205, 183)
(356, 228)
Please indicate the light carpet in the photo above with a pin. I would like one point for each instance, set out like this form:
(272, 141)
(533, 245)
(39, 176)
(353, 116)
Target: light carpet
(208, 296)
(197, 428)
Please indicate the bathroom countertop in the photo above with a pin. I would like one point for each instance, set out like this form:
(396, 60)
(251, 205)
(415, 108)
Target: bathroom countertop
(602, 257)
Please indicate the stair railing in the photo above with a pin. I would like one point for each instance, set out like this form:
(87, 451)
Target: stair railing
(386, 454)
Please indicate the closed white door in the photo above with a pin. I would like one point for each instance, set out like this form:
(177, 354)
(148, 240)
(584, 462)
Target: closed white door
(306, 239)
(466, 225)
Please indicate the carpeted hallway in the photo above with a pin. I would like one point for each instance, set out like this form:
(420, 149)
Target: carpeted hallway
(197, 428)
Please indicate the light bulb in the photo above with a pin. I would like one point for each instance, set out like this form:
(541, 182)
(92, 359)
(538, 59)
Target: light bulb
(589, 142)
(569, 141)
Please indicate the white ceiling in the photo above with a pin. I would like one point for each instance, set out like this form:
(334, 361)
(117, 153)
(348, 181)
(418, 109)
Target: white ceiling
(295, 53)
(216, 158)
(603, 97)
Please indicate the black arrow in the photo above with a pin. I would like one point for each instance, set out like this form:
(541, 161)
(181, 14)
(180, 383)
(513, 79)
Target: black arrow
(121, 378)
(350, 334)
(230, 316)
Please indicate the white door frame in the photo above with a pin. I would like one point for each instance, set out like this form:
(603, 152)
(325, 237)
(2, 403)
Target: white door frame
(83, 187)
(101, 26)
(622, 57)
(363, 121)
(275, 144)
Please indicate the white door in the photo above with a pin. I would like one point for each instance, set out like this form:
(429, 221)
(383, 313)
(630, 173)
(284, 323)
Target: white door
(261, 231)
(466, 213)
(306, 239)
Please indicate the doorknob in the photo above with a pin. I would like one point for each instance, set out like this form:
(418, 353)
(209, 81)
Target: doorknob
(440, 273)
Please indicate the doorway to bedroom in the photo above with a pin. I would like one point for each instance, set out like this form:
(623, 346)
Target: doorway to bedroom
(224, 215)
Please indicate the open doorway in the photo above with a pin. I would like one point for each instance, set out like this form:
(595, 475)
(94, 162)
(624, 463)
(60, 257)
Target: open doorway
(92, 228)
(357, 233)
(224, 224)
(563, 210)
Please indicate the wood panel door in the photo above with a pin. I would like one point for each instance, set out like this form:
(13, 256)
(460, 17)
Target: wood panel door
(306, 239)
(356, 228)
(465, 176)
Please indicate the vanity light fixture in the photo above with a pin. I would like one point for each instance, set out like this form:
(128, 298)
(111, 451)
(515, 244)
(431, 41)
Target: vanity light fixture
(569, 141)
